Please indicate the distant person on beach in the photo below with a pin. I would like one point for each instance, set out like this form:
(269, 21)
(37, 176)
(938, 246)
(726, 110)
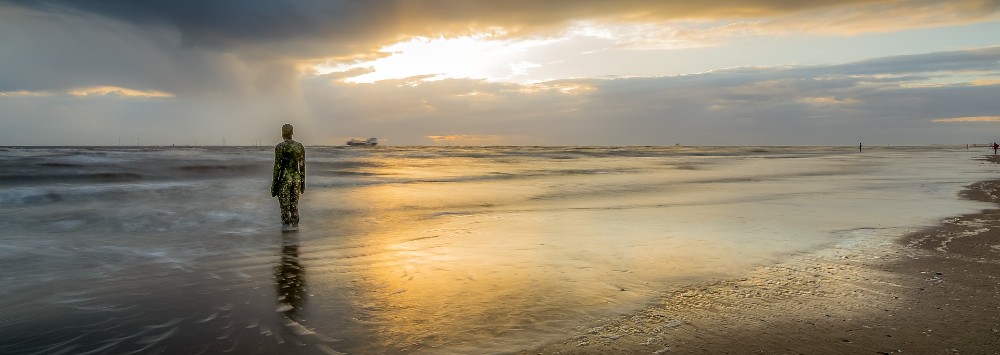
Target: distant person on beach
(289, 180)
(995, 147)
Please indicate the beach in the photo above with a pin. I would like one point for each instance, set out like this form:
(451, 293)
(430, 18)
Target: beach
(933, 291)
(525, 250)
(330, 177)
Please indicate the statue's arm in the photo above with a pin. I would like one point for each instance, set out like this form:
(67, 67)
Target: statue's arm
(302, 168)
(276, 173)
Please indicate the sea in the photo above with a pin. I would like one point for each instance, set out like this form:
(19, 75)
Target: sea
(434, 250)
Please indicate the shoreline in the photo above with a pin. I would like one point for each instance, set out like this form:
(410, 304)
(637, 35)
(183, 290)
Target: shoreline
(930, 291)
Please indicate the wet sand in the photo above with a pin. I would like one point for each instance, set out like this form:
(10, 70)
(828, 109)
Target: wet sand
(932, 291)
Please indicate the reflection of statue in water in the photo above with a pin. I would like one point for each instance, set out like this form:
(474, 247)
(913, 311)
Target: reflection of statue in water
(289, 279)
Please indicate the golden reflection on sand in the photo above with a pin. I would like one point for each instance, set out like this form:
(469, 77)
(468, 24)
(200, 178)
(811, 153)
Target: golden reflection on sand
(434, 277)
(445, 261)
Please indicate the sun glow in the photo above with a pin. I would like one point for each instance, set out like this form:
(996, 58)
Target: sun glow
(477, 57)
(519, 59)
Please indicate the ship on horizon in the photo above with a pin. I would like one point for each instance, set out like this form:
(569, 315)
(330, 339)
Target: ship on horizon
(370, 142)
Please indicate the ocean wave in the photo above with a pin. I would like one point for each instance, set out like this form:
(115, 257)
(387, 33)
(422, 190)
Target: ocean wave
(209, 169)
(80, 177)
(41, 195)
(61, 165)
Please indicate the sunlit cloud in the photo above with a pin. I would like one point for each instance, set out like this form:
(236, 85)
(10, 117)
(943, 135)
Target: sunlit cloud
(499, 58)
(669, 35)
(848, 20)
(874, 17)
(828, 100)
(467, 139)
(968, 119)
(564, 87)
(120, 91)
(529, 56)
(477, 95)
(480, 56)
(522, 67)
(91, 91)
(985, 82)
(24, 93)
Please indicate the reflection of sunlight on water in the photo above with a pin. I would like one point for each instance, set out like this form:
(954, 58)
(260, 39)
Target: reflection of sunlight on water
(428, 281)
(434, 294)
(445, 263)
(444, 279)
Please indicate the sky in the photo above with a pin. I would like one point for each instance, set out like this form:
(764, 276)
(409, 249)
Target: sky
(500, 72)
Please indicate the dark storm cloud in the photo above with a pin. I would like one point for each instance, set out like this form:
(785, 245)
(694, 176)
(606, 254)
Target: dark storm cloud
(182, 47)
(225, 24)
(305, 28)
(56, 52)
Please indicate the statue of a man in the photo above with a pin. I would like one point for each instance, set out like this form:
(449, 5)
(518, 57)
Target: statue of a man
(289, 180)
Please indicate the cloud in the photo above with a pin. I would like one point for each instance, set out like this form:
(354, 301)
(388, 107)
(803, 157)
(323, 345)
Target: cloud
(228, 23)
(873, 17)
(828, 100)
(871, 100)
(345, 74)
(468, 139)
(968, 119)
(24, 93)
(823, 105)
(239, 69)
(235, 47)
(328, 28)
(58, 51)
(92, 91)
(973, 60)
(985, 82)
(119, 91)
